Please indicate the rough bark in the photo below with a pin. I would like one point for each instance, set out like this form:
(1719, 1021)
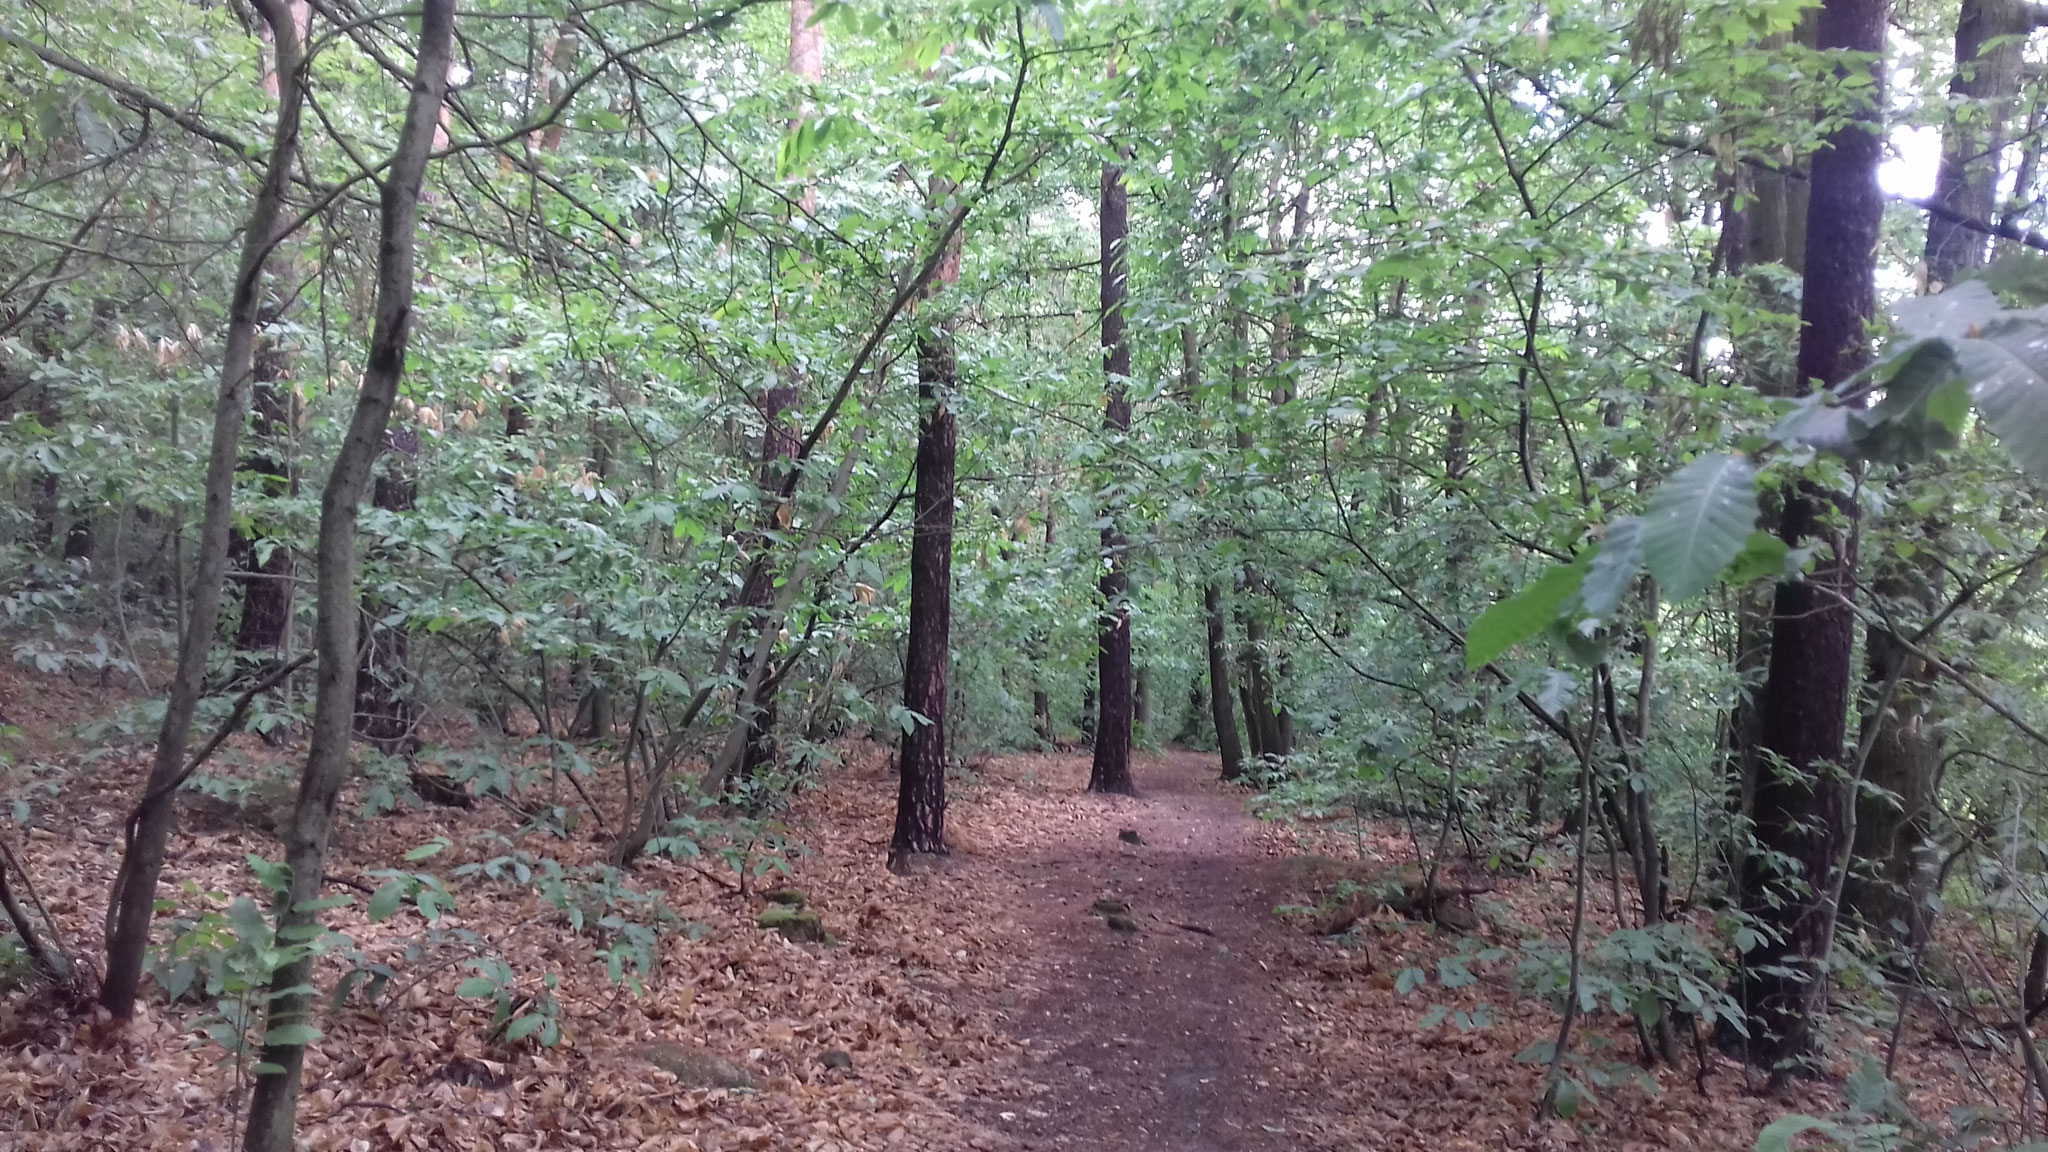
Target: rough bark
(132, 905)
(921, 783)
(1800, 800)
(1990, 38)
(273, 1107)
(1110, 770)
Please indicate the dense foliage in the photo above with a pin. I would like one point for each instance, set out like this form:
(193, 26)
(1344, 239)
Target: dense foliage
(1467, 442)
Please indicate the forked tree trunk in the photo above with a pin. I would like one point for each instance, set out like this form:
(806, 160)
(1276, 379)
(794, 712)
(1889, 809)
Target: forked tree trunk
(1800, 800)
(273, 1107)
(1110, 770)
(921, 784)
(133, 903)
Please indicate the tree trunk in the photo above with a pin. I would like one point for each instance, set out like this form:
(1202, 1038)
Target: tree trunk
(780, 440)
(1260, 719)
(1227, 745)
(921, 782)
(273, 1107)
(1141, 703)
(267, 580)
(1111, 767)
(384, 713)
(133, 902)
(1892, 875)
(1990, 38)
(1800, 801)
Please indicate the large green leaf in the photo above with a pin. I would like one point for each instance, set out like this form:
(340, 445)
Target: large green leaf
(1778, 1135)
(1921, 411)
(1952, 315)
(2006, 364)
(1613, 567)
(1697, 522)
(1522, 616)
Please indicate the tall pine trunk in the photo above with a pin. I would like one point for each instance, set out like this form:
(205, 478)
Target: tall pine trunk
(273, 1107)
(148, 831)
(1110, 770)
(1800, 797)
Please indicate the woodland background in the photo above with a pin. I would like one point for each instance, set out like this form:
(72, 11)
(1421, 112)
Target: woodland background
(1509, 436)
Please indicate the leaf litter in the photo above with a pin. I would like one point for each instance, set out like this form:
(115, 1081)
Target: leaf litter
(976, 1005)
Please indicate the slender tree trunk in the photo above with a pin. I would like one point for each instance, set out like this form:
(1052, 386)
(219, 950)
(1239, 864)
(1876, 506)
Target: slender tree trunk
(134, 898)
(1800, 802)
(921, 777)
(1111, 768)
(779, 443)
(273, 1107)
(1227, 744)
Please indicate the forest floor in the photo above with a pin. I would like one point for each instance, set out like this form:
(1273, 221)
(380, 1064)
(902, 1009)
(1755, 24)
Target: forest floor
(983, 1003)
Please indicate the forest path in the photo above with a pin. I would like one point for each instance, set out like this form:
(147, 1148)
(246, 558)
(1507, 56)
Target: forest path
(1167, 1039)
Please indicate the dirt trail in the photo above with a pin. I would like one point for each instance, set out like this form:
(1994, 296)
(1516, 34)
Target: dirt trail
(1169, 1039)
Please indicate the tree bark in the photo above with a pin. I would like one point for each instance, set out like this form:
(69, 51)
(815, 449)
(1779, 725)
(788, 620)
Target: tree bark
(1110, 770)
(1892, 874)
(273, 1107)
(1800, 800)
(384, 713)
(267, 581)
(132, 905)
(921, 782)
(780, 440)
(1227, 745)
(1990, 38)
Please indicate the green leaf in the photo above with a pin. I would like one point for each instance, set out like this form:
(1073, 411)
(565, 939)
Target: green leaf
(274, 876)
(525, 1026)
(1697, 522)
(384, 905)
(2016, 276)
(1566, 1099)
(291, 1035)
(1613, 567)
(1522, 616)
(1900, 428)
(431, 848)
(477, 988)
(1778, 1135)
(1762, 555)
(1953, 315)
(2007, 369)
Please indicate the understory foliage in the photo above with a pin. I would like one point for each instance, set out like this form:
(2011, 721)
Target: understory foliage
(1467, 451)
